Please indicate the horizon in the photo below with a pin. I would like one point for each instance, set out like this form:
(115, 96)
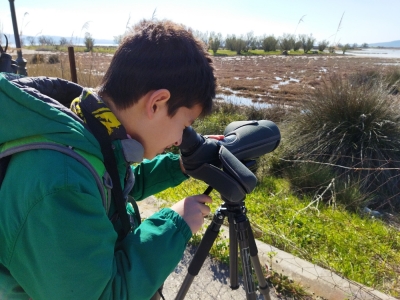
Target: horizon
(111, 42)
(350, 21)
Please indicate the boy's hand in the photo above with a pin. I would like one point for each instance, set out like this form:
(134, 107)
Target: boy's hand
(193, 209)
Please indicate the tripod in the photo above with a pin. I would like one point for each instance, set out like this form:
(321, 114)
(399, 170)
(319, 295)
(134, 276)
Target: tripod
(236, 153)
(240, 233)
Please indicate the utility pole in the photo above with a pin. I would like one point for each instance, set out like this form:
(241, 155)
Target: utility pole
(21, 62)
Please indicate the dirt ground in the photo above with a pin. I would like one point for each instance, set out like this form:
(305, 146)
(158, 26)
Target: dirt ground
(286, 79)
(275, 79)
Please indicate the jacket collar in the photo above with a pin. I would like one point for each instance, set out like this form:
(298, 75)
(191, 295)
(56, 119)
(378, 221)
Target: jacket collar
(132, 149)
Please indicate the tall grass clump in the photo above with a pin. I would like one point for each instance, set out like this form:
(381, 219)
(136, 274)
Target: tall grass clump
(352, 130)
(390, 78)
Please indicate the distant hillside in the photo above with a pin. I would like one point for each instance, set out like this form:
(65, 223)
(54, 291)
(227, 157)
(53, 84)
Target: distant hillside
(394, 44)
(56, 39)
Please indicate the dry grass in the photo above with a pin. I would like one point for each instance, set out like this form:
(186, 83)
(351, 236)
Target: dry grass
(286, 79)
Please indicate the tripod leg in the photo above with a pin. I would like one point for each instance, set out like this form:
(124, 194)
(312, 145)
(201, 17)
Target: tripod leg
(201, 254)
(242, 233)
(233, 256)
(262, 283)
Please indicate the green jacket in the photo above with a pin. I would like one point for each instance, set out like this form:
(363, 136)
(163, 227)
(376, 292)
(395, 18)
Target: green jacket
(56, 237)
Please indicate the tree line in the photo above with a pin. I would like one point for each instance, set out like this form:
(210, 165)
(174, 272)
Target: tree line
(216, 41)
(286, 42)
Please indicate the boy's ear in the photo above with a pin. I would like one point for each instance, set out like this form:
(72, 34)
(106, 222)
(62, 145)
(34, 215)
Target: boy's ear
(156, 100)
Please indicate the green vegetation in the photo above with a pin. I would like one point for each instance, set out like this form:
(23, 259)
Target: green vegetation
(304, 203)
(111, 50)
(350, 128)
(64, 48)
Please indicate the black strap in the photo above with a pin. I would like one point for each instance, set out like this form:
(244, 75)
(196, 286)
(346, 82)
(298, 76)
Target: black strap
(102, 136)
(3, 167)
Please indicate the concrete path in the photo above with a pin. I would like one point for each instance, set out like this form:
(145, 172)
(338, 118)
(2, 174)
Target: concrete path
(211, 283)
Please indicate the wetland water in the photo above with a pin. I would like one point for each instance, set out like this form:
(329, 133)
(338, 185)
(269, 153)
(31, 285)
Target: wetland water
(376, 52)
(239, 100)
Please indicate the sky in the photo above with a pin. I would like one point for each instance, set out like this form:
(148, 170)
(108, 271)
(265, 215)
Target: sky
(337, 21)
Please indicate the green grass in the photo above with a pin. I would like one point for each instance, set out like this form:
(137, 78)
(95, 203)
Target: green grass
(111, 50)
(225, 52)
(57, 48)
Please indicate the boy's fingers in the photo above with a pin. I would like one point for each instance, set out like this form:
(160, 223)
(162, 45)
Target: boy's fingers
(205, 210)
(205, 199)
(215, 137)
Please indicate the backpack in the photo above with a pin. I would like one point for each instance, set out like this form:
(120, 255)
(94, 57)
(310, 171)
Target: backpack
(110, 181)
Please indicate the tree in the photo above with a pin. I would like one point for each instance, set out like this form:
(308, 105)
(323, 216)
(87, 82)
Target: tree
(239, 45)
(203, 36)
(307, 42)
(45, 40)
(249, 40)
(297, 45)
(286, 42)
(258, 43)
(230, 41)
(31, 40)
(63, 41)
(364, 45)
(118, 39)
(89, 42)
(322, 45)
(235, 44)
(215, 41)
(345, 48)
(269, 43)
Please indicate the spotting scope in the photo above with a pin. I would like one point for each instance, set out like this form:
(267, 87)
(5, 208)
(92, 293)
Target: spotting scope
(243, 142)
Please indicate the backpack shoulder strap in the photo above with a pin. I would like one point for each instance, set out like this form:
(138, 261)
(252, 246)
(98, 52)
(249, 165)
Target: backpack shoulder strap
(3, 167)
(102, 136)
(5, 157)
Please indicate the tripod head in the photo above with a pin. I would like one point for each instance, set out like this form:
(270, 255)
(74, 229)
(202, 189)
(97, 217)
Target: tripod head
(244, 141)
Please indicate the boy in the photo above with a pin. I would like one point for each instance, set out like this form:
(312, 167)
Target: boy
(59, 233)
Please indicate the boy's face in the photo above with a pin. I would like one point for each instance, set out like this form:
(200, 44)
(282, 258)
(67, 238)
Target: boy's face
(166, 131)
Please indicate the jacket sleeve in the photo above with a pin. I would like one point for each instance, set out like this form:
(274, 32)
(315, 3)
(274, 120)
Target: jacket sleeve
(156, 175)
(63, 246)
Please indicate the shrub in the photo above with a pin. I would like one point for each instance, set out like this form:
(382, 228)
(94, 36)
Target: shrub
(37, 59)
(89, 42)
(354, 129)
(392, 78)
(53, 59)
(389, 78)
(269, 43)
(367, 77)
(322, 45)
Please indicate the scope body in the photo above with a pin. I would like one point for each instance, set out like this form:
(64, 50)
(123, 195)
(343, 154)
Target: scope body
(244, 141)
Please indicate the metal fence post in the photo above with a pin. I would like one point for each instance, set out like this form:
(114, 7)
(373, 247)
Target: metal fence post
(21, 62)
